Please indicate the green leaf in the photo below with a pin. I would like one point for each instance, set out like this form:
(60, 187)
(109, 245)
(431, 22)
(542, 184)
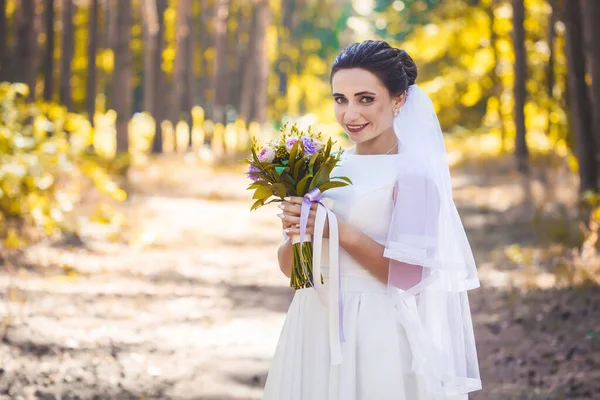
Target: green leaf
(293, 155)
(255, 157)
(263, 192)
(328, 148)
(290, 189)
(331, 185)
(257, 162)
(344, 178)
(279, 190)
(321, 177)
(298, 168)
(312, 161)
(257, 204)
(290, 179)
(257, 184)
(303, 185)
(273, 201)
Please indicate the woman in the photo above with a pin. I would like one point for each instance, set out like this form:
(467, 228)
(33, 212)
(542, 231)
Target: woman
(405, 263)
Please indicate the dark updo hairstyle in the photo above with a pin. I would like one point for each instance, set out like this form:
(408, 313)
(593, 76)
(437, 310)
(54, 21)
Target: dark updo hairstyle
(394, 67)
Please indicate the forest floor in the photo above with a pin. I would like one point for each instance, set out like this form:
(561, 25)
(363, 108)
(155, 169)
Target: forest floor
(186, 301)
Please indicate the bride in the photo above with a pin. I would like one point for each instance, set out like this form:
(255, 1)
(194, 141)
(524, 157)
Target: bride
(399, 291)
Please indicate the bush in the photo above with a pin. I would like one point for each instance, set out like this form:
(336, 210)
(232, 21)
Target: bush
(46, 158)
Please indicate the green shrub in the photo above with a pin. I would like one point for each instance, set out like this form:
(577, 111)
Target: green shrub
(46, 158)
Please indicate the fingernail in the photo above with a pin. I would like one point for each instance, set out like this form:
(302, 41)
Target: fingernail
(287, 198)
(286, 230)
(281, 206)
(280, 216)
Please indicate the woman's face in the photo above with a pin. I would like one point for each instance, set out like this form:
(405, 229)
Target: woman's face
(362, 105)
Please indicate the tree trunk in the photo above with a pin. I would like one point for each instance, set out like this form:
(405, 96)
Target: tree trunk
(204, 40)
(109, 39)
(150, 32)
(497, 87)
(182, 65)
(239, 52)
(285, 41)
(220, 83)
(26, 46)
(249, 80)
(521, 151)
(160, 82)
(550, 66)
(4, 59)
(191, 86)
(591, 32)
(67, 50)
(122, 91)
(152, 14)
(580, 106)
(49, 53)
(92, 46)
(260, 104)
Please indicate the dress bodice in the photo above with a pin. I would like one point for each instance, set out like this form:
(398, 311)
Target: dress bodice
(366, 204)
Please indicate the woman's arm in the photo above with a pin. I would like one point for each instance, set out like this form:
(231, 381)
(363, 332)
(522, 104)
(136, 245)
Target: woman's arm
(361, 247)
(284, 255)
(365, 250)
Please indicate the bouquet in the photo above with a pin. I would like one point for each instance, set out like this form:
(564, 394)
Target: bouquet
(293, 164)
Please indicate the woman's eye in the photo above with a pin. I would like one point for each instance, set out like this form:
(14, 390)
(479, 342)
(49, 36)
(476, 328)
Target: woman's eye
(339, 100)
(366, 100)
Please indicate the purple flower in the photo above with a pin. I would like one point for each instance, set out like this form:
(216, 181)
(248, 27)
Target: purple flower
(253, 168)
(290, 143)
(309, 146)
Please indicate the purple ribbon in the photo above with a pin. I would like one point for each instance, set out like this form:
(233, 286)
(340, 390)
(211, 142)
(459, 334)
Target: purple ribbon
(314, 196)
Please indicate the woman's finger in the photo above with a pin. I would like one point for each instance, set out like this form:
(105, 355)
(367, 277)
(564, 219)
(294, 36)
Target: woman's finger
(296, 231)
(294, 208)
(290, 219)
(294, 199)
(290, 208)
(298, 201)
(294, 220)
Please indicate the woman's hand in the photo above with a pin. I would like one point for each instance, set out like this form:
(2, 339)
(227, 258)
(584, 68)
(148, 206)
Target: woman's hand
(290, 217)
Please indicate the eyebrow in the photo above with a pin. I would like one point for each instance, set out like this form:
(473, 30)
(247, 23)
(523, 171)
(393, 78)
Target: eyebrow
(355, 94)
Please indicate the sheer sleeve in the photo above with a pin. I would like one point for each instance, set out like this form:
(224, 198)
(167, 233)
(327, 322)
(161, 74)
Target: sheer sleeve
(432, 267)
(412, 239)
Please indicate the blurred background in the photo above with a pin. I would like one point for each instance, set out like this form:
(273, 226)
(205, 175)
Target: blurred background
(130, 264)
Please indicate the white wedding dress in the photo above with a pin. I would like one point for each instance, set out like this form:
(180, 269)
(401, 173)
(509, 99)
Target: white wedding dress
(379, 341)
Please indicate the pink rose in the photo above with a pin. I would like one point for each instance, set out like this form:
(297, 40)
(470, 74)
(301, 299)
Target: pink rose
(290, 143)
(267, 154)
(318, 144)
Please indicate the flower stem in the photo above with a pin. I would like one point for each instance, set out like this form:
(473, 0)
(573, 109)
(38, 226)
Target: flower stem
(300, 279)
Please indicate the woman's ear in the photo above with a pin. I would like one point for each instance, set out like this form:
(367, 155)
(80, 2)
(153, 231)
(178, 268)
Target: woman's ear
(401, 99)
(398, 101)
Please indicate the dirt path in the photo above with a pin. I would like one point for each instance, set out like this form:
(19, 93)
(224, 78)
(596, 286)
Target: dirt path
(191, 304)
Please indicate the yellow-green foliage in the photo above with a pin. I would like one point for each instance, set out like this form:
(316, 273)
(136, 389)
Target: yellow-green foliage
(43, 157)
(293, 172)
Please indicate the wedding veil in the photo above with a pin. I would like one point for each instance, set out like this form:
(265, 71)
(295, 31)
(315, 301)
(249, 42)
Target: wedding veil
(431, 263)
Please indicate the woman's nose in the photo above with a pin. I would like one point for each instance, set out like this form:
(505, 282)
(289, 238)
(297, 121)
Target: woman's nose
(351, 115)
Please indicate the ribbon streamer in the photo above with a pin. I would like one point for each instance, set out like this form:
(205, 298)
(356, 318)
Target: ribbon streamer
(336, 318)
